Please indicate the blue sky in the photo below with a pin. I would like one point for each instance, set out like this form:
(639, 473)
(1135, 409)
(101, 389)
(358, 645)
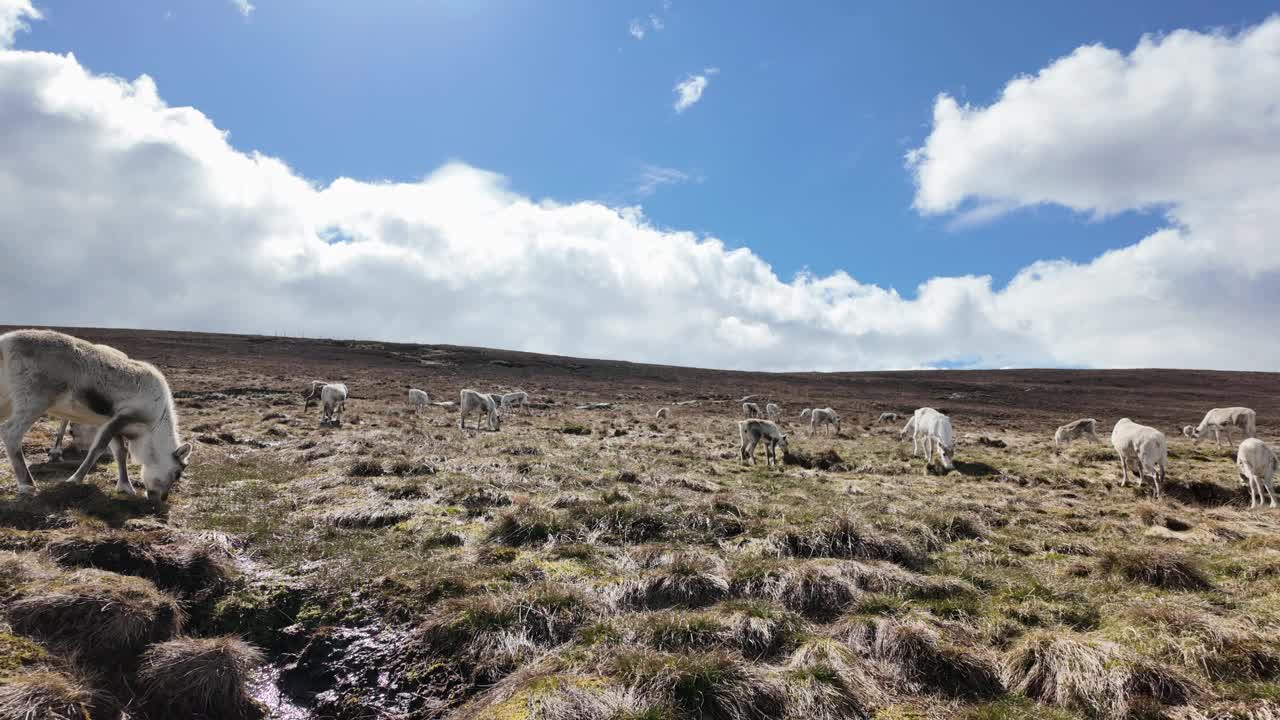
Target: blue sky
(795, 149)
(480, 162)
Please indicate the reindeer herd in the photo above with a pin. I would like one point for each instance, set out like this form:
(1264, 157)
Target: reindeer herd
(110, 400)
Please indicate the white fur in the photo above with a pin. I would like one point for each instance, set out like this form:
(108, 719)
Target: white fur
(772, 411)
(515, 400)
(1257, 464)
(1083, 428)
(752, 431)
(1224, 420)
(662, 414)
(806, 413)
(750, 410)
(1144, 449)
(823, 417)
(470, 401)
(332, 398)
(934, 430)
(81, 438)
(418, 399)
(48, 372)
(888, 417)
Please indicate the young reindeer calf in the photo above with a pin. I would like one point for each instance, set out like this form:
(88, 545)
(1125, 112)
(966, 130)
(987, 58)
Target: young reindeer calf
(751, 432)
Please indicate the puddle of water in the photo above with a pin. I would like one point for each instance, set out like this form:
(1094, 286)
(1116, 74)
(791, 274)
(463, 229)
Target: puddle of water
(265, 689)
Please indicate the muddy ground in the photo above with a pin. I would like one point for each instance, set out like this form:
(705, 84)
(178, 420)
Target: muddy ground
(605, 564)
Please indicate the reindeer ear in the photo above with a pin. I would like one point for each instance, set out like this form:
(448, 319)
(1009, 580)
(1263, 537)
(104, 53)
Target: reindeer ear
(183, 453)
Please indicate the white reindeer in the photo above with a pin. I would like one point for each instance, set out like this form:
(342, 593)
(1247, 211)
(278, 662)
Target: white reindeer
(470, 401)
(515, 400)
(1144, 449)
(823, 417)
(662, 414)
(1257, 464)
(1076, 429)
(888, 417)
(752, 431)
(42, 371)
(418, 399)
(772, 411)
(1224, 420)
(750, 410)
(332, 398)
(806, 413)
(934, 429)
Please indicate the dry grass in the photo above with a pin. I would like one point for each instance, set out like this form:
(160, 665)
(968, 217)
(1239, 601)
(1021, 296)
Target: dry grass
(45, 695)
(201, 679)
(418, 569)
(94, 613)
(1158, 568)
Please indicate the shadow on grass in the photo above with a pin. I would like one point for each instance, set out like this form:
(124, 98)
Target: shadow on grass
(49, 507)
(975, 469)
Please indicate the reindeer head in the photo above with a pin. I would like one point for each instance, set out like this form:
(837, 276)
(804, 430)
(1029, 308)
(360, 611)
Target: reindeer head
(160, 475)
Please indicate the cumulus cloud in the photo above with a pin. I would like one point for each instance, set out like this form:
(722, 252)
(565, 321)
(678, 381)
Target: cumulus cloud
(121, 210)
(1182, 124)
(656, 22)
(636, 28)
(689, 90)
(14, 15)
(245, 7)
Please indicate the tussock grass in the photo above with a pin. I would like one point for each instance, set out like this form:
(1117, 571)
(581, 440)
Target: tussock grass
(45, 695)
(813, 587)
(199, 679)
(611, 703)
(483, 626)
(825, 680)
(1157, 568)
(1223, 649)
(96, 614)
(172, 564)
(526, 525)
(925, 659)
(762, 629)
(714, 685)
(684, 579)
(1097, 678)
(843, 536)
(683, 630)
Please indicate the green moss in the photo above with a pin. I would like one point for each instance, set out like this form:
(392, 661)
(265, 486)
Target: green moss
(18, 652)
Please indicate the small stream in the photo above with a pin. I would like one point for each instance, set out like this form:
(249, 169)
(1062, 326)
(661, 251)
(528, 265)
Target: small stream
(265, 688)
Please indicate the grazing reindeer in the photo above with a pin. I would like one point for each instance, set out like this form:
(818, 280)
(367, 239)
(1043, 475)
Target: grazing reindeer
(42, 371)
(752, 431)
(418, 399)
(332, 398)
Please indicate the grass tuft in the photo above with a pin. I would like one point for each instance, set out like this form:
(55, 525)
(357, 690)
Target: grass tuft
(712, 686)
(96, 614)
(199, 678)
(844, 537)
(45, 695)
(689, 580)
(925, 659)
(1157, 568)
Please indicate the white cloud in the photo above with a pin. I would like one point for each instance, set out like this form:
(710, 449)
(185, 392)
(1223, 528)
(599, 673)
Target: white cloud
(14, 15)
(653, 177)
(1186, 123)
(656, 22)
(689, 90)
(123, 211)
(636, 28)
(245, 7)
